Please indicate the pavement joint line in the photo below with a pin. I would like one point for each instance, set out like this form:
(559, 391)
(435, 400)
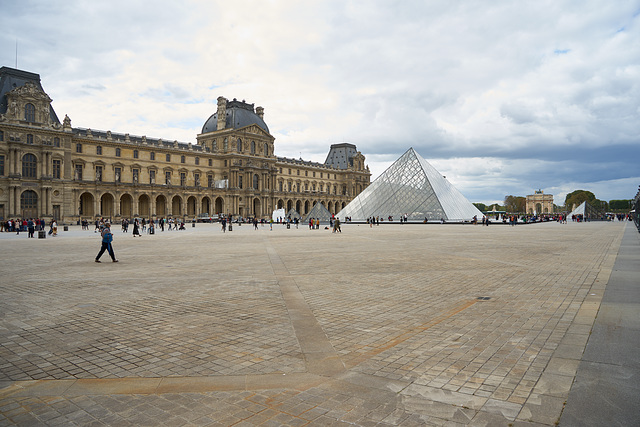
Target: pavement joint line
(311, 337)
(159, 385)
(412, 332)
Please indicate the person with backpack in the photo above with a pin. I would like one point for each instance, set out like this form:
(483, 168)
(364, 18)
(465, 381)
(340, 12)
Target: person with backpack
(107, 238)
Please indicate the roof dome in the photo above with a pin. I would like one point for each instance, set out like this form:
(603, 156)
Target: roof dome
(239, 115)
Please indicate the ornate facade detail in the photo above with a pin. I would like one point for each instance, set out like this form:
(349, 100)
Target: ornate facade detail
(88, 173)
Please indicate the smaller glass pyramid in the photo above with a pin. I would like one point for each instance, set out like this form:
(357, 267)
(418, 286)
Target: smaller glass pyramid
(412, 187)
(318, 211)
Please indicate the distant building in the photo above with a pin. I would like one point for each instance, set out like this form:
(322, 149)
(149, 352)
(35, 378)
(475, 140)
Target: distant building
(50, 169)
(539, 203)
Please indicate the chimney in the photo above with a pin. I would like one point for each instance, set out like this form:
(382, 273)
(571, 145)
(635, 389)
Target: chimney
(222, 112)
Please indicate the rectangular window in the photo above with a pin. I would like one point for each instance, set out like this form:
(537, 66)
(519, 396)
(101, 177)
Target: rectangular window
(196, 179)
(152, 155)
(2, 165)
(1, 135)
(280, 185)
(289, 171)
(183, 179)
(56, 141)
(306, 173)
(117, 152)
(210, 181)
(135, 154)
(99, 150)
(240, 181)
(168, 157)
(78, 148)
(210, 162)
(118, 174)
(152, 176)
(298, 171)
(182, 159)
(99, 173)
(314, 174)
(320, 174)
(197, 160)
(136, 174)
(78, 169)
(167, 178)
(57, 166)
(29, 139)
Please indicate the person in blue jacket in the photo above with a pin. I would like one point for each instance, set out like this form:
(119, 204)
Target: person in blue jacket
(107, 238)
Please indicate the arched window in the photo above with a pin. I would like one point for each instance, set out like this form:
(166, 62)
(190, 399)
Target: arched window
(253, 147)
(29, 202)
(266, 149)
(239, 145)
(30, 113)
(29, 165)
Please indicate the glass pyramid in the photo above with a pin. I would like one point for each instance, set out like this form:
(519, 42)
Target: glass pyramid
(413, 187)
(318, 211)
(587, 211)
(293, 214)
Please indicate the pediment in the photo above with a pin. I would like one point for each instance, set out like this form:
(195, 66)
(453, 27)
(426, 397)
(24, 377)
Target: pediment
(254, 129)
(30, 91)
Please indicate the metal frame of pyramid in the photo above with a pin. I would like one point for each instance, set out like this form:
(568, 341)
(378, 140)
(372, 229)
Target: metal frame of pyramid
(413, 187)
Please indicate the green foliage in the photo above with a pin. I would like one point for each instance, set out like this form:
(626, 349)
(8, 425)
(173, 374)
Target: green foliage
(481, 206)
(576, 198)
(620, 205)
(515, 203)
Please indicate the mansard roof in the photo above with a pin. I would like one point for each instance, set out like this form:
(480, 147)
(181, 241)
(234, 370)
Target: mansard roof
(11, 78)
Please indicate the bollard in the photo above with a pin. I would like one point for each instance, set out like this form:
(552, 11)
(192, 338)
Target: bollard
(42, 234)
(193, 225)
(230, 227)
(66, 228)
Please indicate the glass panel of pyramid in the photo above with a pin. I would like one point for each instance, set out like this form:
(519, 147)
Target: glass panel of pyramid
(413, 187)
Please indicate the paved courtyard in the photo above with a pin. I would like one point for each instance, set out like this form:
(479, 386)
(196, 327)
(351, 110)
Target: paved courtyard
(409, 325)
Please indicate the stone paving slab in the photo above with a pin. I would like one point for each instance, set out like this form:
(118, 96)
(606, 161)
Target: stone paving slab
(412, 325)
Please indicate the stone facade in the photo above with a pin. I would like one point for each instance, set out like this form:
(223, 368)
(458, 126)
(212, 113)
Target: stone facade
(51, 170)
(539, 203)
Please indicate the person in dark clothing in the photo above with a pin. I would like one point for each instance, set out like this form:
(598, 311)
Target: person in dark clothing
(107, 238)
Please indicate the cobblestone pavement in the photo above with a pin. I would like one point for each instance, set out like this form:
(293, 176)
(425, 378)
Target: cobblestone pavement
(391, 325)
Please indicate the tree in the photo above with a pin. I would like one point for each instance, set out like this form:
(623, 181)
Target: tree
(576, 198)
(620, 205)
(515, 203)
(481, 206)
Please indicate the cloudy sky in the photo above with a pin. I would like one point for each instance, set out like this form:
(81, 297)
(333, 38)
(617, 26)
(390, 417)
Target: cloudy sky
(502, 97)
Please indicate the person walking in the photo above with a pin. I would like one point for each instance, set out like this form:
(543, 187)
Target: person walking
(107, 238)
(136, 229)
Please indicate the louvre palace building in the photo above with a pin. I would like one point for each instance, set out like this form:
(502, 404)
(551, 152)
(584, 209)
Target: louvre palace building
(49, 169)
